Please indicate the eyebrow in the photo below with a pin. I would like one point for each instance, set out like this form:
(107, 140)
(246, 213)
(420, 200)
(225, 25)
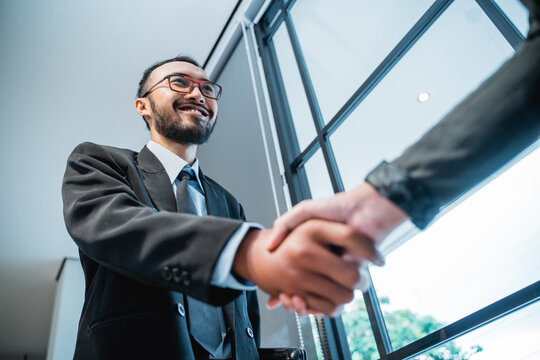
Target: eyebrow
(203, 79)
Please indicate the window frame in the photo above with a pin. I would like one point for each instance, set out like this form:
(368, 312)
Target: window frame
(331, 330)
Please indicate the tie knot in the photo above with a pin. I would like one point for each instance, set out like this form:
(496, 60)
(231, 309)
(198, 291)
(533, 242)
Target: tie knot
(187, 173)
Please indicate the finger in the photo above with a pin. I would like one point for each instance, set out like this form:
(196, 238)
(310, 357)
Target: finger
(318, 284)
(286, 302)
(354, 243)
(299, 304)
(305, 210)
(273, 302)
(353, 259)
(320, 261)
(293, 303)
(318, 305)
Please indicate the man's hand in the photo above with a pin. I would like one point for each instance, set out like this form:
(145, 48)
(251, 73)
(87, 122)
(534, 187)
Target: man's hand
(363, 209)
(305, 265)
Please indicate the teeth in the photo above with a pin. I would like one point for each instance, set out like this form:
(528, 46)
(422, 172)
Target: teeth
(194, 111)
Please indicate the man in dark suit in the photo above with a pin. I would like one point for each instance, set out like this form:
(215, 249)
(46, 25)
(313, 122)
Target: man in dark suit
(169, 262)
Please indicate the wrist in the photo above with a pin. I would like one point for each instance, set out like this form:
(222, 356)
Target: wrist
(378, 215)
(241, 265)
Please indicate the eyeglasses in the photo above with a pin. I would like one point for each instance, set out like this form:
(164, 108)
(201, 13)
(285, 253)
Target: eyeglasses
(184, 84)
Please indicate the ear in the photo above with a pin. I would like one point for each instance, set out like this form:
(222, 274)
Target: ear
(142, 106)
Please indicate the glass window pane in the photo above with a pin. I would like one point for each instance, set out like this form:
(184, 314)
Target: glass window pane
(451, 59)
(517, 13)
(298, 104)
(482, 250)
(317, 174)
(344, 41)
(359, 334)
(512, 337)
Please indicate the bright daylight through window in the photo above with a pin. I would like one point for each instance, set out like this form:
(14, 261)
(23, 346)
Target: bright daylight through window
(355, 82)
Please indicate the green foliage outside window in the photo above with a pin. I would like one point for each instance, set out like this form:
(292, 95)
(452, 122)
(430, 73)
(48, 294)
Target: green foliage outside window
(404, 327)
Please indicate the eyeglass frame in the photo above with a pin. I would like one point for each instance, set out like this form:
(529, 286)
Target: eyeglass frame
(193, 82)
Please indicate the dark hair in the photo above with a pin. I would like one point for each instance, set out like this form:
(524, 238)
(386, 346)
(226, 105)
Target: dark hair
(148, 71)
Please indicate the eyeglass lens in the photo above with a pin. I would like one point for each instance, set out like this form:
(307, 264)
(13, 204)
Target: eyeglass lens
(183, 84)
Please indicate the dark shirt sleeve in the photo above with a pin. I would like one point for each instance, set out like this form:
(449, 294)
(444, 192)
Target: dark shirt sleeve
(489, 128)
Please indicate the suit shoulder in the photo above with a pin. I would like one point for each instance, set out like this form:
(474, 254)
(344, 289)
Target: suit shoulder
(102, 151)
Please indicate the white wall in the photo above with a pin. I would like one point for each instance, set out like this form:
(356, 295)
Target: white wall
(69, 72)
(67, 311)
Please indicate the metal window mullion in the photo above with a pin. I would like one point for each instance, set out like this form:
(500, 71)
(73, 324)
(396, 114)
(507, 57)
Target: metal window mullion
(501, 21)
(306, 154)
(299, 187)
(484, 316)
(412, 36)
(376, 318)
(271, 19)
(330, 160)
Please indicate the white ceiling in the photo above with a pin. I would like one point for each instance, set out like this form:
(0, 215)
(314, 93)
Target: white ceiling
(69, 74)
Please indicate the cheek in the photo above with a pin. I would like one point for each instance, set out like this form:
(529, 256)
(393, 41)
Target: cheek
(215, 111)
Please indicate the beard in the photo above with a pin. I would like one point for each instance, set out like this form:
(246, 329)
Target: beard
(174, 128)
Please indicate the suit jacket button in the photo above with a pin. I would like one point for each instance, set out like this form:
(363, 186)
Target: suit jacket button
(180, 309)
(176, 275)
(166, 273)
(185, 278)
(249, 332)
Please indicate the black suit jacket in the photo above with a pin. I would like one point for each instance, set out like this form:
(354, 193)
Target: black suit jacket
(140, 257)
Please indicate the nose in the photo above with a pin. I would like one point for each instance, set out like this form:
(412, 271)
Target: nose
(195, 94)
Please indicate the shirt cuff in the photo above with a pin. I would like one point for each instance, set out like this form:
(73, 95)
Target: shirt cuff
(222, 276)
(410, 195)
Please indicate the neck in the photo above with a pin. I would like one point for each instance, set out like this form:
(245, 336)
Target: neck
(188, 152)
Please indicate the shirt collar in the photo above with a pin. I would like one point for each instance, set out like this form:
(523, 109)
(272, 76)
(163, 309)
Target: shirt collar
(172, 163)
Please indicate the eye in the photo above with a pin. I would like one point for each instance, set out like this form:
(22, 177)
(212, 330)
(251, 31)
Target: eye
(179, 81)
(208, 88)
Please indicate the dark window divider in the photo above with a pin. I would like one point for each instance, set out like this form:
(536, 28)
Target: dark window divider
(296, 178)
(421, 26)
(490, 313)
(378, 325)
(329, 343)
(328, 153)
(503, 24)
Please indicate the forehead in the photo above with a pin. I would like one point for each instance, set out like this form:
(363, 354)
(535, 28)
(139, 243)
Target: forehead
(181, 67)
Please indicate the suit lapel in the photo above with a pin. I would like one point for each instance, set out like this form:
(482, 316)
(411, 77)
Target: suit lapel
(216, 205)
(156, 180)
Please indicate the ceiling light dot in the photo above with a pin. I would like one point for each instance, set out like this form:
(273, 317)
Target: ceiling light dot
(423, 97)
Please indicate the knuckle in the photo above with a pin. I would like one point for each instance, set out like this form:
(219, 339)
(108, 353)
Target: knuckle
(354, 277)
(349, 233)
(330, 310)
(304, 204)
(300, 252)
(349, 296)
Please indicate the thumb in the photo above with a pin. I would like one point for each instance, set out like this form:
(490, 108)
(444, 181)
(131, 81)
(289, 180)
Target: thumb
(276, 237)
(305, 210)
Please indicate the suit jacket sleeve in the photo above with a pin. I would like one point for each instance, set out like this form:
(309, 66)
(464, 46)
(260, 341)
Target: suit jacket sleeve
(113, 222)
(490, 127)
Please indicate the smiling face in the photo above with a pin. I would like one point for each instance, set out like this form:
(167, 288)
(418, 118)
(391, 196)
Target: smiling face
(186, 118)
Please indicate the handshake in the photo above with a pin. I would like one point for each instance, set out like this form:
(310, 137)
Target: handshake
(315, 256)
